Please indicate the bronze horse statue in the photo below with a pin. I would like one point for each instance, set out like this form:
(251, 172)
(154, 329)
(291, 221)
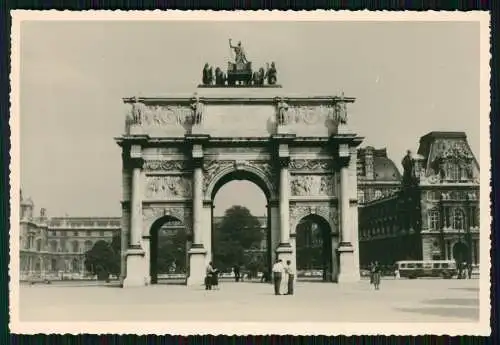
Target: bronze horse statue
(271, 74)
(208, 75)
(258, 77)
(220, 77)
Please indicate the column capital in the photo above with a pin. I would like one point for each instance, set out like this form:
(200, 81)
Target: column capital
(136, 162)
(273, 203)
(284, 162)
(197, 163)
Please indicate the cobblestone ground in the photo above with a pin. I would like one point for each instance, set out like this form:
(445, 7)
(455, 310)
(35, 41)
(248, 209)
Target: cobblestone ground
(397, 301)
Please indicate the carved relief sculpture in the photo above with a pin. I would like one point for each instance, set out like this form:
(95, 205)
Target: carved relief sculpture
(197, 108)
(161, 187)
(341, 111)
(311, 164)
(160, 116)
(165, 165)
(282, 113)
(313, 185)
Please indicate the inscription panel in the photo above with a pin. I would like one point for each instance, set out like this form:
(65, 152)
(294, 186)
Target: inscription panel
(239, 120)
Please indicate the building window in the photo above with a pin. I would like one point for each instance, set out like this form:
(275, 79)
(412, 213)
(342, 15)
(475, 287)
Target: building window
(75, 233)
(361, 196)
(458, 219)
(88, 245)
(75, 247)
(103, 234)
(434, 219)
(454, 172)
(39, 245)
(89, 233)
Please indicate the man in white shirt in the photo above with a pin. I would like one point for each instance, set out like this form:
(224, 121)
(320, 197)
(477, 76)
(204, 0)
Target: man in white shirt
(278, 271)
(291, 276)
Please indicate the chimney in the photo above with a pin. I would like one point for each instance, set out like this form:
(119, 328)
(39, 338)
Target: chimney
(368, 158)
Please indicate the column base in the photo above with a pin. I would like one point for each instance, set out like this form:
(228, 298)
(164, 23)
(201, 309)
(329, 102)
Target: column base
(347, 269)
(196, 266)
(136, 275)
(284, 252)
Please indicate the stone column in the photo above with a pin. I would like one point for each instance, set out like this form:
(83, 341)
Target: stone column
(284, 250)
(346, 250)
(136, 268)
(197, 251)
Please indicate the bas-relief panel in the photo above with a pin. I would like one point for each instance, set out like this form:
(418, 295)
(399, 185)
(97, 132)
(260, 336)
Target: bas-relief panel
(167, 187)
(308, 120)
(313, 185)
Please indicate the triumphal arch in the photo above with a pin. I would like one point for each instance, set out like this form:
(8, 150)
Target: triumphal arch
(178, 150)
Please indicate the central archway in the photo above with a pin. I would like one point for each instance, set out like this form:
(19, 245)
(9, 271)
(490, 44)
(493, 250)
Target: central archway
(168, 251)
(315, 260)
(257, 242)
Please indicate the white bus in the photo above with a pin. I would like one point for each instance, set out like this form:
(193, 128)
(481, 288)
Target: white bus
(432, 268)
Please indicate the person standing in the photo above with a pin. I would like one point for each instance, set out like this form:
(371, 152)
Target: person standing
(376, 275)
(291, 276)
(277, 275)
(236, 270)
(209, 276)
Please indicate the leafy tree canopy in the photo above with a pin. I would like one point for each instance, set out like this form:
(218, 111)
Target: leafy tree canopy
(238, 231)
(104, 258)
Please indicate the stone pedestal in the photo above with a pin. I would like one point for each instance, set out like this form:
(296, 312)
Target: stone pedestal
(197, 266)
(285, 252)
(135, 268)
(348, 272)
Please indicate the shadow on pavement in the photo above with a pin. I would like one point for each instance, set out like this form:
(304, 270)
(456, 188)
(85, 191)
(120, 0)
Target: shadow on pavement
(454, 301)
(465, 289)
(464, 313)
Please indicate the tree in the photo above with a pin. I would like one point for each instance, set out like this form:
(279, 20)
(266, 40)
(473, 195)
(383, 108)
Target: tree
(238, 231)
(172, 251)
(104, 258)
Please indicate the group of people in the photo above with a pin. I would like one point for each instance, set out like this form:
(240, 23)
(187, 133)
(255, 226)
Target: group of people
(283, 273)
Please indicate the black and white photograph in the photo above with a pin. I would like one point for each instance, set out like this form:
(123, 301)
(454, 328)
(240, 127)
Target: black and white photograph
(257, 172)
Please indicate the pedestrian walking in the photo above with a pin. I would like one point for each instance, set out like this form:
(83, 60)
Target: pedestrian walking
(290, 276)
(376, 275)
(278, 271)
(215, 278)
(236, 270)
(371, 272)
(209, 276)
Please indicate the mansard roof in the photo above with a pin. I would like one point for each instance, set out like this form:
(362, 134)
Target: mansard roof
(384, 168)
(437, 144)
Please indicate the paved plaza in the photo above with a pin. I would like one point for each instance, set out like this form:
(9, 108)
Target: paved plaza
(397, 301)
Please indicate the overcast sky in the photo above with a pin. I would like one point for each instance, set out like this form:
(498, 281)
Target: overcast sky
(409, 78)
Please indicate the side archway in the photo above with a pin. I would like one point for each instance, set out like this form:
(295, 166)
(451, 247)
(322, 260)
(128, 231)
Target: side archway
(315, 249)
(168, 245)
